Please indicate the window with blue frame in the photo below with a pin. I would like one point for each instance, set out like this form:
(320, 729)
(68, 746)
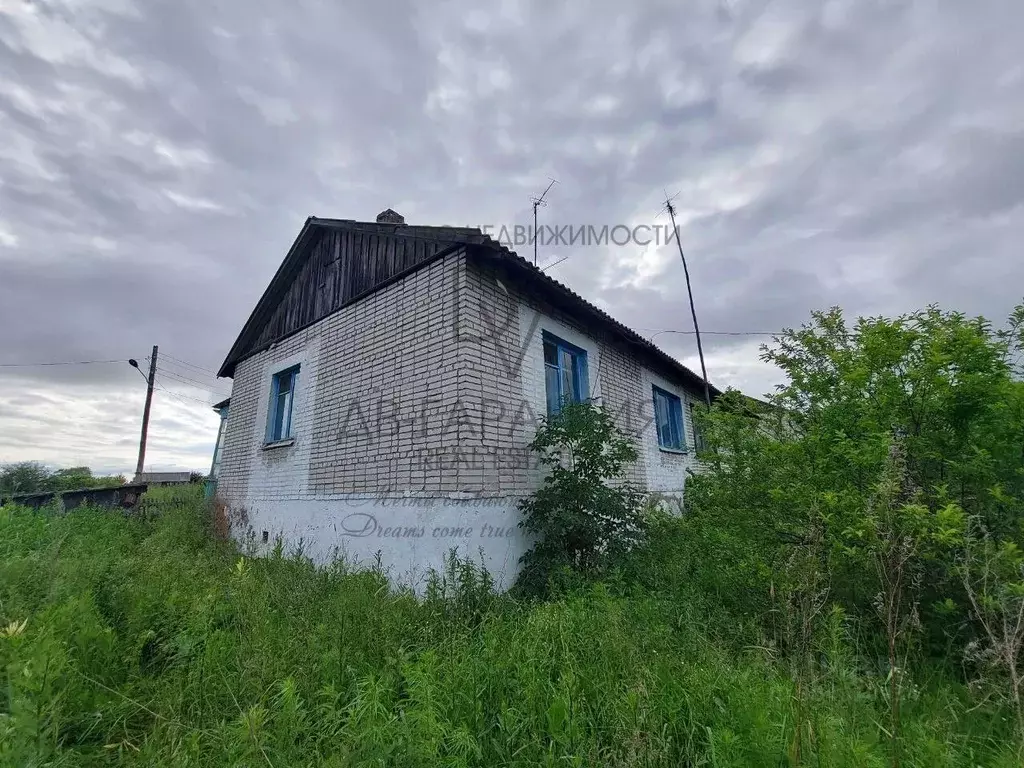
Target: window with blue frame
(282, 396)
(668, 417)
(565, 373)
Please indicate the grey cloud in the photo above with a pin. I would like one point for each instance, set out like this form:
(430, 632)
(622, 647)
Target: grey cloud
(159, 159)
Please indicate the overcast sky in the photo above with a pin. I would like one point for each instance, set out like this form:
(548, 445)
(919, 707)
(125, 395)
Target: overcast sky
(158, 158)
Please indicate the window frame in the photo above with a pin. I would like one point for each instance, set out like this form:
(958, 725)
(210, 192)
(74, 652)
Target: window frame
(287, 424)
(676, 423)
(580, 374)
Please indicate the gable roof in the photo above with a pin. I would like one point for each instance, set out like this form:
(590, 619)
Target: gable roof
(479, 246)
(435, 241)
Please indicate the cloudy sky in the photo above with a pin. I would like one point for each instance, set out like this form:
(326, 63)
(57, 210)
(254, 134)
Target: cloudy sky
(157, 159)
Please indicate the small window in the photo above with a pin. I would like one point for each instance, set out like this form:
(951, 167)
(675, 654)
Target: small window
(668, 417)
(282, 396)
(565, 373)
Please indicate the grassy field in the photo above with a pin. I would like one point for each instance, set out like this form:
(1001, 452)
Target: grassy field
(145, 642)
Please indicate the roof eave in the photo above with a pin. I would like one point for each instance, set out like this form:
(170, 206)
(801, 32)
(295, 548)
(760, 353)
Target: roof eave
(573, 303)
(570, 301)
(227, 369)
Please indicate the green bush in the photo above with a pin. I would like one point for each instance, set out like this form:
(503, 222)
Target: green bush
(583, 517)
(144, 643)
(851, 489)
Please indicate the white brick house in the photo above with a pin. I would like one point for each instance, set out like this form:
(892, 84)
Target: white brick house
(389, 380)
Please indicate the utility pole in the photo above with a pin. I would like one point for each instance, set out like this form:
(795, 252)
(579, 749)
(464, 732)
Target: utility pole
(693, 311)
(145, 412)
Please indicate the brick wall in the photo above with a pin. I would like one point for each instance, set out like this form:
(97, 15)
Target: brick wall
(377, 383)
(667, 470)
(501, 332)
(388, 388)
(247, 469)
(432, 386)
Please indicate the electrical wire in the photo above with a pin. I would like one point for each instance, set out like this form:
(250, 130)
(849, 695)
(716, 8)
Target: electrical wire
(179, 396)
(214, 375)
(69, 362)
(185, 379)
(656, 331)
(187, 363)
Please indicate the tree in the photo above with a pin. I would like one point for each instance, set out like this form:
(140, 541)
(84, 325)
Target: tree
(853, 482)
(993, 578)
(35, 477)
(72, 478)
(940, 379)
(24, 477)
(583, 515)
(895, 536)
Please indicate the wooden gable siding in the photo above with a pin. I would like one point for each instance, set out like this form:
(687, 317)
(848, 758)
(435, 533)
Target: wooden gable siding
(342, 264)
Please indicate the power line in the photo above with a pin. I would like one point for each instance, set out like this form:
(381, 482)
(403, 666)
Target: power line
(712, 333)
(193, 375)
(192, 368)
(206, 385)
(178, 396)
(69, 362)
(185, 379)
(178, 360)
(191, 365)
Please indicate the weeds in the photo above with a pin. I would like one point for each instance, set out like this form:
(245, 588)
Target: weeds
(143, 642)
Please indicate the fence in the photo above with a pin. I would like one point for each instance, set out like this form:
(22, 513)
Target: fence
(122, 496)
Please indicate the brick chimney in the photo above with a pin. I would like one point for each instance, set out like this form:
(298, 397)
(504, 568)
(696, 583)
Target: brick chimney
(390, 217)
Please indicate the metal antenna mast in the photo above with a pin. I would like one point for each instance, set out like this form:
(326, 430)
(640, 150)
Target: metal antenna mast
(537, 202)
(693, 311)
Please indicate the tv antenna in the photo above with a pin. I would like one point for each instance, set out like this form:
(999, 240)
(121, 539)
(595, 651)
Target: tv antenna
(537, 203)
(696, 330)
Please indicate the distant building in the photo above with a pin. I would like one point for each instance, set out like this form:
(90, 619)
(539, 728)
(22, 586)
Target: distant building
(163, 478)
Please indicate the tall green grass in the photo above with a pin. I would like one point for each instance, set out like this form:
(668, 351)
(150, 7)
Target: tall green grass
(145, 642)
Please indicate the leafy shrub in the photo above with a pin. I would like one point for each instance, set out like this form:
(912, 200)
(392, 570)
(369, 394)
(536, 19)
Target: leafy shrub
(849, 490)
(993, 579)
(143, 643)
(584, 516)
(35, 477)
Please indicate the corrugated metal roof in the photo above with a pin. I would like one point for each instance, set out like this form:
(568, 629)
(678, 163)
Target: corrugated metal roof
(574, 300)
(567, 299)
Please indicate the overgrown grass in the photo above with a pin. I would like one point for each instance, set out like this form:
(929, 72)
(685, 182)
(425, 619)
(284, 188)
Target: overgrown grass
(147, 643)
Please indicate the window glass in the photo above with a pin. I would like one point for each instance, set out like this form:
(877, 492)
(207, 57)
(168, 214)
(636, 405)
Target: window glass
(282, 392)
(565, 367)
(668, 419)
(551, 383)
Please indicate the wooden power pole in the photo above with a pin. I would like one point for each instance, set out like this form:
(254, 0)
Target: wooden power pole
(145, 412)
(693, 311)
